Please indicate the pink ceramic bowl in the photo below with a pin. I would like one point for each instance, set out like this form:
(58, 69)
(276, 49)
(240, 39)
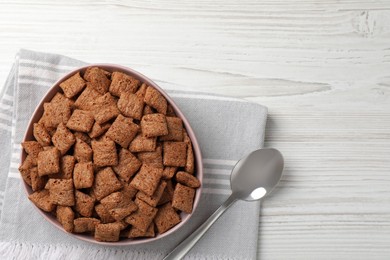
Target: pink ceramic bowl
(197, 154)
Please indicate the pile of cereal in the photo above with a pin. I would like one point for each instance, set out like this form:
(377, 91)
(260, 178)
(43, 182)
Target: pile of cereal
(110, 158)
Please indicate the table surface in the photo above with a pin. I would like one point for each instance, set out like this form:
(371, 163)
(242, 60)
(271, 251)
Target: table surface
(321, 67)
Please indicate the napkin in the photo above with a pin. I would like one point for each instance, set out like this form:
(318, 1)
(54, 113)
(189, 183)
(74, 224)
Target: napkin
(227, 129)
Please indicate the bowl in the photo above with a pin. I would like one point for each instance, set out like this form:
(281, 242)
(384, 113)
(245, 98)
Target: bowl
(197, 154)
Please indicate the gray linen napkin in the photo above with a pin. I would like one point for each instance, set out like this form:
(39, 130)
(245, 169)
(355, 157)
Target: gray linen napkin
(226, 128)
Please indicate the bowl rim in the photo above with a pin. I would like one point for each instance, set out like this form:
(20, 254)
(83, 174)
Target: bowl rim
(198, 159)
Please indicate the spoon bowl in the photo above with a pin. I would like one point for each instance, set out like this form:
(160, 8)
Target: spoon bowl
(252, 178)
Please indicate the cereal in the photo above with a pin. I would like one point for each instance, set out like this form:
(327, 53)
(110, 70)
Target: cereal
(73, 85)
(104, 153)
(183, 198)
(110, 146)
(175, 129)
(152, 158)
(147, 179)
(127, 166)
(175, 154)
(156, 100)
(82, 151)
(123, 83)
(155, 198)
(105, 183)
(187, 179)
(63, 139)
(122, 131)
(105, 108)
(84, 204)
(65, 216)
(143, 217)
(82, 225)
(97, 79)
(154, 125)
(166, 218)
(107, 232)
(61, 192)
(83, 175)
(81, 121)
(42, 200)
(41, 134)
(87, 98)
(143, 144)
(49, 162)
(131, 105)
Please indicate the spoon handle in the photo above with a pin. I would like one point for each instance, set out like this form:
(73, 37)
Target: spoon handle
(185, 246)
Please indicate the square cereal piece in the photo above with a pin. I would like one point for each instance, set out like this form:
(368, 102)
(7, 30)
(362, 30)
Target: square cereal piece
(82, 225)
(107, 232)
(142, 91)
(63, 139)
(41, 134)
(42, 200)
(66, 168)
(190, 162)
(152, 158)
(131, 105)
(82, 151)
(73, 85)
(54, 114)
(105, 108)
(49, 162)
(147, 179)
(98, 129)
(98, 79)
(166, 218)
(105, 183)
(65, 216)
(120, 83)
(59, 99)
(143, 144)
(87, 98)
(122, 131)
(175, 154)
(84, 204)
(25, 169)
(61, 192)
(169, 172)
(32, 148)
(154, 125)
(175, 129)
(104, 153)
(155, 198)
(167, 194)
(135, 232)
(81, 121)
(83, 175)
(104, 214)
(37, 182)
(122, 212)
(183, 198)
(187, 179)
(127, 166)
(114, 200)
(143, 217)
(156, 100)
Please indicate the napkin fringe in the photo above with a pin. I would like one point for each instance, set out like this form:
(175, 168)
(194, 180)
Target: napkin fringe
(15, 250)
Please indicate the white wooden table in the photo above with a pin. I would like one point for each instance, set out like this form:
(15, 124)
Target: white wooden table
(321, 67)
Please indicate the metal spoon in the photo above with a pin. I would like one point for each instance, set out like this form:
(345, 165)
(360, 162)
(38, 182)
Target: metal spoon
(252, 178)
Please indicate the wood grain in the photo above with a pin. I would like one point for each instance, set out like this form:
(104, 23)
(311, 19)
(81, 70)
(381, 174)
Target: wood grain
(321, 67)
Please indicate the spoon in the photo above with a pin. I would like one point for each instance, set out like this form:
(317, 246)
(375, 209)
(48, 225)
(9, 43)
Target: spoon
(252, 178)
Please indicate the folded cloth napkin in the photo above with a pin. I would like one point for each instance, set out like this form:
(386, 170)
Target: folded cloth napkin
(227, 129)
